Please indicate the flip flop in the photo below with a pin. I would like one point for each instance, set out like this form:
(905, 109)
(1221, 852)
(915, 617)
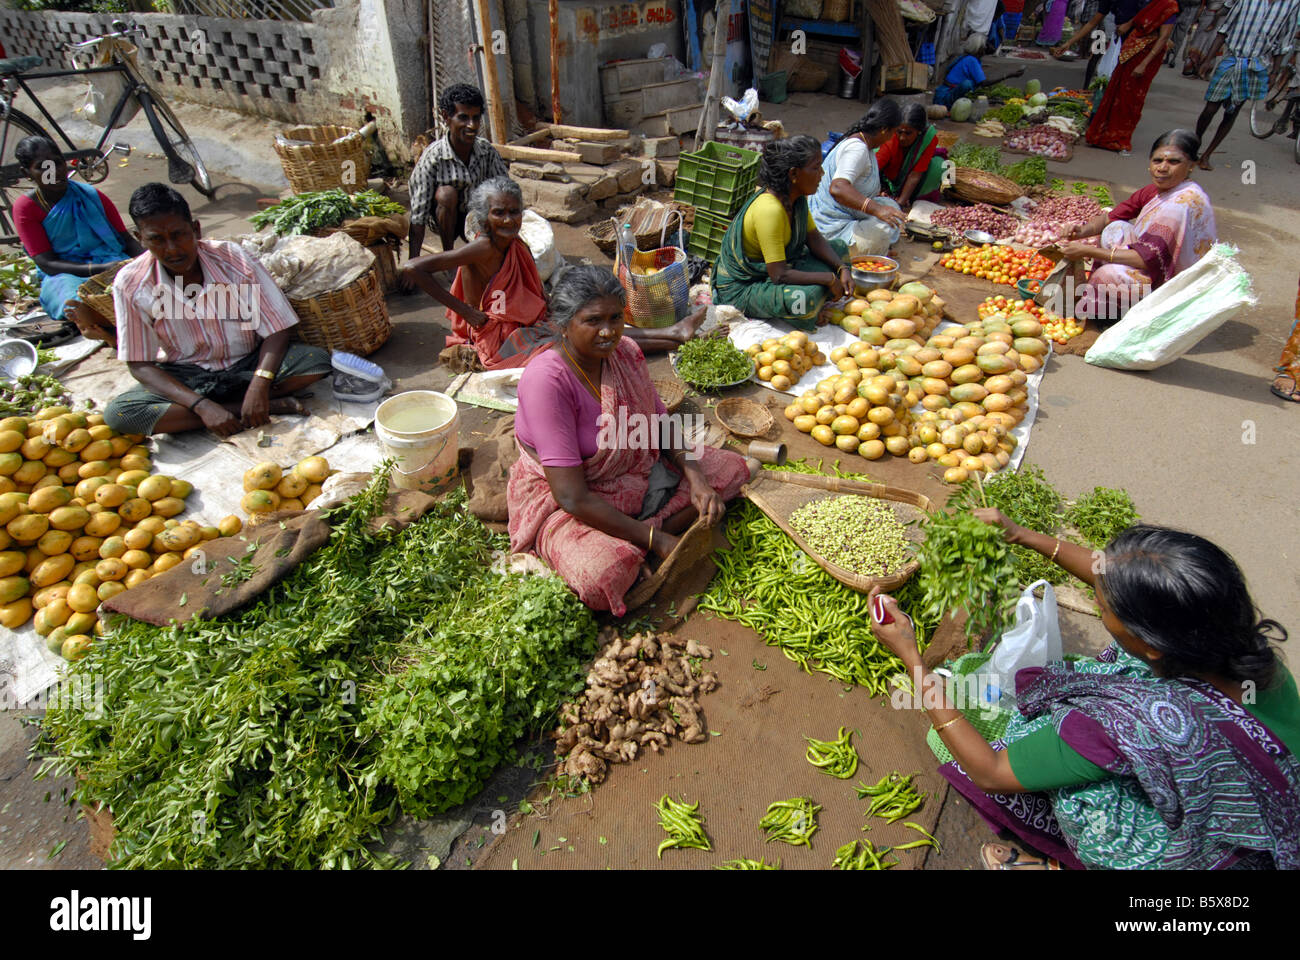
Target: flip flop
(1000, 856)
(1293, 394)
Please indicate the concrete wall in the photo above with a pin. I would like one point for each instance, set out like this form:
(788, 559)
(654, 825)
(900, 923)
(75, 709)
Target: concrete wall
(363, 56)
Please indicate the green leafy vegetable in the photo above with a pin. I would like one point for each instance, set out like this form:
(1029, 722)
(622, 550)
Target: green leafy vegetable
(1029, 172)
(712, 361)
(1101, 515)
(967, 565)
(305, 212)
(390, 668)
(1025, 498)
(986, 158)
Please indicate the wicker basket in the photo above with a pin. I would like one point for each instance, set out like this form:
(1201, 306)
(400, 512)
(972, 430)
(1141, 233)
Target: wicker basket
(320, 164)
(694, 547)
(354, 319)
(97, 293)
(744, 418)
(780, 494)
(980, 186)
(835, 10)
(670, 392)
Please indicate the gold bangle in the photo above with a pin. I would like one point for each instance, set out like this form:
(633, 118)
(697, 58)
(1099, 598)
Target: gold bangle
(265, 374)
(1052, 558)
(651, 545)
(947, 723)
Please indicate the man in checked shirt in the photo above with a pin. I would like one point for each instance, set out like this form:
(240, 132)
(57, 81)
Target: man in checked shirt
(1253, 32)
(450, 168)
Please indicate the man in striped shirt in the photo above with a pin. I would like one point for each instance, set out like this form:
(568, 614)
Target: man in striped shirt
(203, 328)
(1252, 30)
(450, 168)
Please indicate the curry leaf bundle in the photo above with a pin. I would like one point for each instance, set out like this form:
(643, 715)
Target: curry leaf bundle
(967, 565)
(317, 209)
(388, 669)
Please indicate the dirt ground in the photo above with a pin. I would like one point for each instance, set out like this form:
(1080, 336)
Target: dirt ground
(1199, 444)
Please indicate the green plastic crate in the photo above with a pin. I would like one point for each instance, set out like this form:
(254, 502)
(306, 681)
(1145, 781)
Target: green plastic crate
(706, 236)
(717, 179)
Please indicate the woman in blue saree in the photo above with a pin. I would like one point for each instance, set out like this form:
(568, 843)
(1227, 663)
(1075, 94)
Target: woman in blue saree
(71, 230)
(1173, 749)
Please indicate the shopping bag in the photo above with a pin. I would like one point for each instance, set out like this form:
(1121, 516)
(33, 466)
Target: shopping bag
(1168, 322)
(1034, 641)
(1110, 59)
(656, 281)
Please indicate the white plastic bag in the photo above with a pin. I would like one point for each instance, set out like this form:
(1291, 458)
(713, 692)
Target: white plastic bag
(1034, 641)
(1170, 321)
(1110, 59)
(540, 237)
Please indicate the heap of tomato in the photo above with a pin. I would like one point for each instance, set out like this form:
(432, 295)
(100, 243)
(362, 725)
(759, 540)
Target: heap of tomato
(1001, 264)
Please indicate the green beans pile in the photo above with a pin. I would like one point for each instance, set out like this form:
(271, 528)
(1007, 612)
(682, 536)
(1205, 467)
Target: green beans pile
(861, 855)
(682, 823)
(744, 864)
(892, 799)
(835, 757)
(861, 534)
(791, 821)
(771, 586)
(712, 361)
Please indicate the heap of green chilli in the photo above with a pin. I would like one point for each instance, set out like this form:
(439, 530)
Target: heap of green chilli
(860, 534)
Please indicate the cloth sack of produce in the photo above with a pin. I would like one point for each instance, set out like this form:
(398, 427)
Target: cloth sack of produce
(1170, 321)
(540, 237)
(1034, 641)
(305, 266)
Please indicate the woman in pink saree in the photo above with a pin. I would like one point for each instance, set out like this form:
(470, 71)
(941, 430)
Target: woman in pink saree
(595, 492)
(1148, 239)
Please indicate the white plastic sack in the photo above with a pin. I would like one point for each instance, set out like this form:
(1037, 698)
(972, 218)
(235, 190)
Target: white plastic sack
(1034, 641)
(1110, 59)
(540, 237)
(1170, 321)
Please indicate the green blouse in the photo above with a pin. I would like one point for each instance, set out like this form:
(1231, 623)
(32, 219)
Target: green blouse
(1043, 761)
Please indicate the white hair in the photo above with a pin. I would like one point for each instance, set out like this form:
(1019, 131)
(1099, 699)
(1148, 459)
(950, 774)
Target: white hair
(974, 44)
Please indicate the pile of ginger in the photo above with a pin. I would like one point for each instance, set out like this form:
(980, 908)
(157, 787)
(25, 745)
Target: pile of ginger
(641, 691)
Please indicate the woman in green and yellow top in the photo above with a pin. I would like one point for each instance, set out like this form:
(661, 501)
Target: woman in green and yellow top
(774, 263)
(1175, 748)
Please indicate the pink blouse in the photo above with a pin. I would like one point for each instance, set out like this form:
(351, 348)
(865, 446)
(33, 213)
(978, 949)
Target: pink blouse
(558, 416)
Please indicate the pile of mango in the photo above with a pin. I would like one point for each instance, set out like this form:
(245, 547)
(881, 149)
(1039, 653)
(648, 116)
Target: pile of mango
(268, 488)
(83, 518)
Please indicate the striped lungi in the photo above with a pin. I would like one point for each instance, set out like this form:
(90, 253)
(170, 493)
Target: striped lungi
(1238, 79)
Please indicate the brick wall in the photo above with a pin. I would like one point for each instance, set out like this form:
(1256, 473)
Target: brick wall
(260, 67)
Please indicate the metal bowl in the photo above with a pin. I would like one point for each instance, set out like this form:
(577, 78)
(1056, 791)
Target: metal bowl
(17, 358)
(867, 280)
(979, 236)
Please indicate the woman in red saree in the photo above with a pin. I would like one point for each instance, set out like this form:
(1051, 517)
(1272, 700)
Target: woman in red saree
(1140, 57)
(594, 492)
(496, 304)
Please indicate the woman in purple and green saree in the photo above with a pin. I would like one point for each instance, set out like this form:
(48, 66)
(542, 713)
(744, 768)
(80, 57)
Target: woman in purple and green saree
(1173, 749)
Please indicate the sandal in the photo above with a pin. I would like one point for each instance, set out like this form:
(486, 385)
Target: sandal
(1293, 394)
(1000, 856)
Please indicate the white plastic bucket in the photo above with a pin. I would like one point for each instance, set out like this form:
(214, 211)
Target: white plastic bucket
(419, 429)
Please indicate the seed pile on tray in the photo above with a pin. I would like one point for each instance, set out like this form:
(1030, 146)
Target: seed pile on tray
(861, 534)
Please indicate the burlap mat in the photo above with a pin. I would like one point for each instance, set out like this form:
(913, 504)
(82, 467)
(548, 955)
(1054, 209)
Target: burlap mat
(210, 583)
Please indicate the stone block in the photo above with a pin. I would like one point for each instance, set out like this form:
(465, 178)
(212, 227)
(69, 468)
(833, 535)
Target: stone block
(563, 202)
(603, 188)
(662, 146)
(665, 172)
(629, 173)
(597, 153)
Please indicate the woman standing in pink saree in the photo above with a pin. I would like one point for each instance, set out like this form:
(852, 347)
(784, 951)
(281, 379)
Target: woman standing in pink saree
(594, 492)
(1149, 238)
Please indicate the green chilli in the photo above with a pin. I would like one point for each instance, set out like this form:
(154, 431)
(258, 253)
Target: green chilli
(835, 757)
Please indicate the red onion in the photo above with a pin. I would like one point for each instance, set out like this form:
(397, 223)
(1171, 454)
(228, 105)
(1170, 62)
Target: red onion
(979, 217)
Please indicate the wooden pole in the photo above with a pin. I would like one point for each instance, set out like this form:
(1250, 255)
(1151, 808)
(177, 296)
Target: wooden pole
(496, 109)
(554, 10)
(717, 74)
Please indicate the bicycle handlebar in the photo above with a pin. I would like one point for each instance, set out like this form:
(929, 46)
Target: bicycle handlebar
(122, 30)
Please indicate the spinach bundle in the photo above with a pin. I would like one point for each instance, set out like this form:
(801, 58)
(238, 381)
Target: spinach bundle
(388, 668)
(1026, 498)
(305, 212)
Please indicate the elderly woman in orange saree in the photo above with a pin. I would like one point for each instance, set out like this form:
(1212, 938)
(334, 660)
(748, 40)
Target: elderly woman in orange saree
(599, 488)
(1145, 38)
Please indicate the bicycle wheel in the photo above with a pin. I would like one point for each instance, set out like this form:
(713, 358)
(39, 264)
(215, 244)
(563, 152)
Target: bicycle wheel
(177, 145)
(1266, 114)
(14, 126)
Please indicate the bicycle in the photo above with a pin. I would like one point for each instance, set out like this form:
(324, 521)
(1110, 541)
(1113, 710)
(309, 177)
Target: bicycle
(184, 165)
(1280, 107)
